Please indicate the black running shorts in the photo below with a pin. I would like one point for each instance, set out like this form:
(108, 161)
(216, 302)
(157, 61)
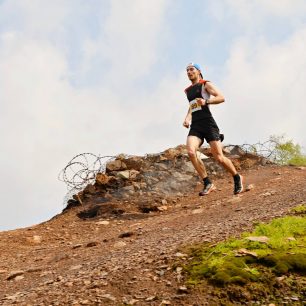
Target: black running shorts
(205, 129)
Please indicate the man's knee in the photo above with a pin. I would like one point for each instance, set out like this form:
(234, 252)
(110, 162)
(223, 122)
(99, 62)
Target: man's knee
(219, 158)
(192, 153)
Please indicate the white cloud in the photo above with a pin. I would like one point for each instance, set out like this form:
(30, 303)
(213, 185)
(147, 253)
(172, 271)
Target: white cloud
(130, 40)
(254, 12)
(45, 120)
(264, 88)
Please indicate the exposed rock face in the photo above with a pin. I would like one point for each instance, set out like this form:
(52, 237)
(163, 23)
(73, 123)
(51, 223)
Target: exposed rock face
(146, 179)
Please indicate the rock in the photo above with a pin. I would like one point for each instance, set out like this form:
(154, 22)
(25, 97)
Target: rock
(89, 189)
(129, 302)
(237, 150)
(171, 154)
(301, 168)
(37, 239)
(115, 165)
(179, 269)
(92, 244)
(14, 274)
(197, 211)
(262, 239)
(280, 279)
(104, 222)
(35, 269)
(294, 298)
(226, 150)
(178, 254)
(127, 190)
(268, 193)
(136, 186)
(164, 302)
(126, 234)
(151, 298)
(108, 297)
(249, 187)
(102, 179)
(162, 166)
(200, 155)
(182, 289)
(162, 208)
(135, 162)
(160, 272)
(76, 246)
(164, 202)
(19, 277)
(128, 174)
(188, 167)
(291, 239)
(119, 244)
(246, 252)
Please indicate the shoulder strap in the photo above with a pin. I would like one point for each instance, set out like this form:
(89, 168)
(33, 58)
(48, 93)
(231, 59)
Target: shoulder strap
(185, 90)
(203, 81)
(200, 82)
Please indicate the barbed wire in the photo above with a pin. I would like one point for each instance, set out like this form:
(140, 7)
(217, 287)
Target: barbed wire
(267, 149)
(82, 170)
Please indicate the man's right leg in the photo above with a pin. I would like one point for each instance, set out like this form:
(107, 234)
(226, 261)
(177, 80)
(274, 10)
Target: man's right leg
(193, 144)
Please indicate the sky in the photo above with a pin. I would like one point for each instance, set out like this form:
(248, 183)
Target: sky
(108, 77)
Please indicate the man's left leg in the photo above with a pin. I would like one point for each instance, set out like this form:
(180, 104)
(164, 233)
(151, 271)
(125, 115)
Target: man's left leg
(216, 150)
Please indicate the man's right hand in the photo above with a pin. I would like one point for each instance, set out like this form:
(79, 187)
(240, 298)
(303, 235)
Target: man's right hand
(186, 124)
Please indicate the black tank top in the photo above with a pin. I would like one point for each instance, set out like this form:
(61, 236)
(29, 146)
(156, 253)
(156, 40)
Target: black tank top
(197, 91)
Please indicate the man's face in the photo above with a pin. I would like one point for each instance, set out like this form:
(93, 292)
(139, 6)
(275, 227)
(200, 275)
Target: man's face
(192, 73)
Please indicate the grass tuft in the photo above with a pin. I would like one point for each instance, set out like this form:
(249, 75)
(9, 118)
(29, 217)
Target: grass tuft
(239, 261)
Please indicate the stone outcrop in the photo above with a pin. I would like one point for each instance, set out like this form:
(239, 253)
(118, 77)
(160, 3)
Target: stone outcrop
(148, 179)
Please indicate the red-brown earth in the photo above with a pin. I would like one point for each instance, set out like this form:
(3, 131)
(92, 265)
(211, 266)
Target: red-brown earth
(128, 260)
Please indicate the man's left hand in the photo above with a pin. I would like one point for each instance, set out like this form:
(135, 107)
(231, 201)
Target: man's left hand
(201, 101)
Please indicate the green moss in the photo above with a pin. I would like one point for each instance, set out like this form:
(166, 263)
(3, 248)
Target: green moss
(299, 210)
(285, 252)
(284, 263)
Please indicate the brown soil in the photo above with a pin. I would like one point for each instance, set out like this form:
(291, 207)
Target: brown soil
(69, 261)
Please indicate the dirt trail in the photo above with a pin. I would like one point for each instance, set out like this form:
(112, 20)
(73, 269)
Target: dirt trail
(68, 261)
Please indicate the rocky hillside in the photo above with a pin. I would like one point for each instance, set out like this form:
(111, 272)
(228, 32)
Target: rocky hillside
(148, 183)
(117, 242)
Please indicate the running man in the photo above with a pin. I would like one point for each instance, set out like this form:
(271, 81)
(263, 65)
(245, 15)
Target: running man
(201, 94)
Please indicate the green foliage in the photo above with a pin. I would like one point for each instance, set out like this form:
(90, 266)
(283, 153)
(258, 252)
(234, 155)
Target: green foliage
(224, 264)
(298, 161)
(286, 152)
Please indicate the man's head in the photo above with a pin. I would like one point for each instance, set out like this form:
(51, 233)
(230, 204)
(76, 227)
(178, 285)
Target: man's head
(194, 72)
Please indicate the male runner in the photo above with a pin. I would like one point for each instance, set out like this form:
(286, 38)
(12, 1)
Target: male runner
(203, 126)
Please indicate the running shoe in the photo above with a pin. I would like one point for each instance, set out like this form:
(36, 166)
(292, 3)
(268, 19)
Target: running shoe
(238, 184)
(207, 189)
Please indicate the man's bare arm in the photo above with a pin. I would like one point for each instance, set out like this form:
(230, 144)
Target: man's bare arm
(215, 92)
(216, 95)
(187, 120)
